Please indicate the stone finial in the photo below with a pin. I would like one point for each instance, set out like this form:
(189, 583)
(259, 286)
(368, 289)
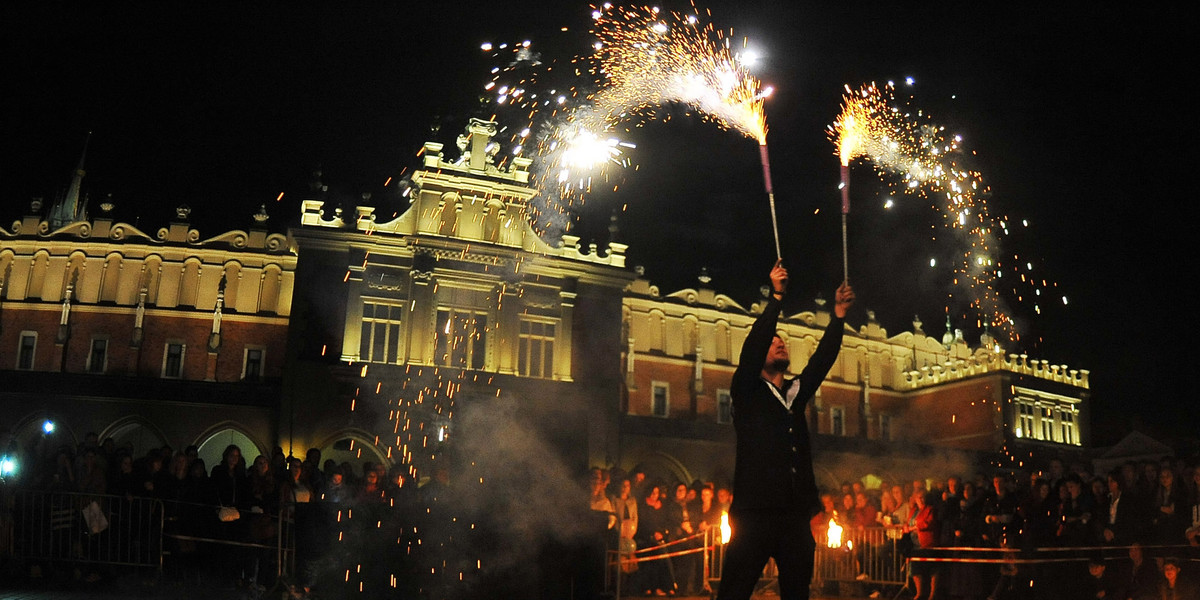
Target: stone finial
(182, 211)
(704, 277)
(260, 217)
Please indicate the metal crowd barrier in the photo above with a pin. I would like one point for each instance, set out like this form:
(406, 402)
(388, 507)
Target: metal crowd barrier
(869, 555)
(135, 532)
(87, 528)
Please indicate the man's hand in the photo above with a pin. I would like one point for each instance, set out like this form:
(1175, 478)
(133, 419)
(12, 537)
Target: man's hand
(779, 278)
(843, 300)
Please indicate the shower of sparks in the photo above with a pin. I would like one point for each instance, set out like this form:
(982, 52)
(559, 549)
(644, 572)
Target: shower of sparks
(914, 156)
(570, 115)
(650, 58)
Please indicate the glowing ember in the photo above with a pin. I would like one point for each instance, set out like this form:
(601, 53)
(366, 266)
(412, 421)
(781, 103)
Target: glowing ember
(726, 530)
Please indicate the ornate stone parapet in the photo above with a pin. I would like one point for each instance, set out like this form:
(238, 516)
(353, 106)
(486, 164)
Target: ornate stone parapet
(983, 363)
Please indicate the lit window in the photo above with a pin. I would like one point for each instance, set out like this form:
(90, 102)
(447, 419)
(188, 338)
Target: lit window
(25, 351)
(1067, 424)
(837, 421)
(724, 407)
(461, 338)
(536, 349)
(252, 364)
(173, 360)
(380, 342)
(97, 361)
(660, 399)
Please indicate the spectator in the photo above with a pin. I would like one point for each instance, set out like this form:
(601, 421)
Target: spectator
(123, 482)
(1141, 577)
(820, 522)
(1040, 513)
(923, 527)
(1167, 510)
(336, 490)
(627, 523)
(1000, 514)
(1102, 583)
(899, 513)
(1076, 512)
(708, 510)
(1122, 521)
(654, 576)
(91, 472)
(295, 488)
(1174, 587)
(686, 567)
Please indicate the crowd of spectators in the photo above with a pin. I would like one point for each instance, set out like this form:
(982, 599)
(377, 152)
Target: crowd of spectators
(220, 522)
(1148, 507)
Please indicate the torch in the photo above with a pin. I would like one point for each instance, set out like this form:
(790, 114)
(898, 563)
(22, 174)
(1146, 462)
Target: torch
(766, 168)
(845, 187)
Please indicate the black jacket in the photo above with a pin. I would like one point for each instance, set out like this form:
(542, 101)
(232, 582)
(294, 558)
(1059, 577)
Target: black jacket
(773, 469)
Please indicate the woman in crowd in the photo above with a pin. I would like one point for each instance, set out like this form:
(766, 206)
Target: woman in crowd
(1169, 501)
(654, 529)
(923, 529)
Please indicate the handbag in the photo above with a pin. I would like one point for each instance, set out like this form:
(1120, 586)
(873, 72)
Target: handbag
(94, 517)
(228, 514)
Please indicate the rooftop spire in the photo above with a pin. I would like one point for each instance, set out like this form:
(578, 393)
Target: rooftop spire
(69, 208)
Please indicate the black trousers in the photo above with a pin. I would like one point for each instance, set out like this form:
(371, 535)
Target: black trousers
(757, 536)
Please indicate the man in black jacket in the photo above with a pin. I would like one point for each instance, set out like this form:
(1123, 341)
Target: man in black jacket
(774, 490)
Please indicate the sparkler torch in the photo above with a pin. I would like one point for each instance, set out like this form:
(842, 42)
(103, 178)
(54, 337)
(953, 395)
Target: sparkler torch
(845, 187)
(766, 167)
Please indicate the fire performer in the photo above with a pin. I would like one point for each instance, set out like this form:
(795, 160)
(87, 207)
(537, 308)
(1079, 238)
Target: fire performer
(774, 490)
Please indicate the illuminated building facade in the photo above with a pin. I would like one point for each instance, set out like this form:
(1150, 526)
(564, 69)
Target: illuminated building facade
(150, 339)
(453, 328)
(454, 313)
(898, 406)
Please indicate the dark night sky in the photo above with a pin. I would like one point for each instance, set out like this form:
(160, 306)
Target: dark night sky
(1075, 110)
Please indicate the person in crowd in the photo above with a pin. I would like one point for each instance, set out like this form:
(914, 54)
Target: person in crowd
(947, 509)
(819, 524)
(1122, 522)
(999, 514)
(336, 490)
(899, 513)
(599, 501)
(1174, 586)
(150, 474)
(172, 488)
(1102, 582)
(627, 524)
(91, 477)
(371, 491)
(1040, 513)
(923, 529)
(682, 526)
(123, 482)
(1167, 509)
(312, 470)
(1141, 577)
(887, 504)
(846, 511)
(654, 529)
(1075, 513)
(864, 512)
(295, 489)
(708, 510)
(724, 497)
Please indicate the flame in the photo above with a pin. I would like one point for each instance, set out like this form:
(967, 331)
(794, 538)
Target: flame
(834, 537)
(726, 530)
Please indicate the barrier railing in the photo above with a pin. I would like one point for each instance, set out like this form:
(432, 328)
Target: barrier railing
(87, 528)
(137, 532)
(868, 554)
